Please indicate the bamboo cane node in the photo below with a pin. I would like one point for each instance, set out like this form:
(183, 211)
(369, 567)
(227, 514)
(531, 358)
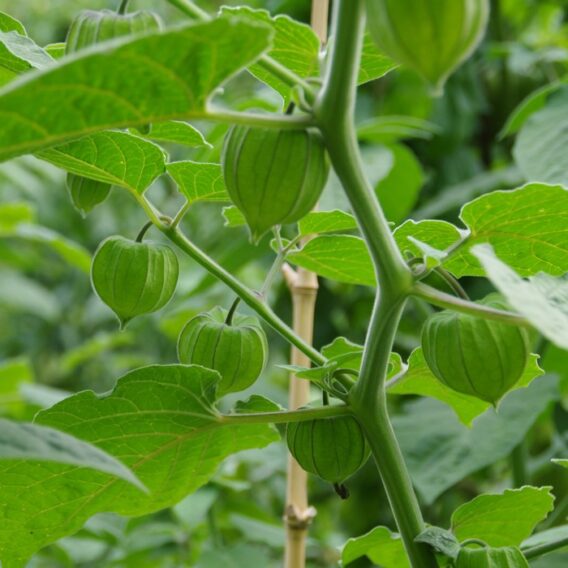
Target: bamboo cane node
(299, 520)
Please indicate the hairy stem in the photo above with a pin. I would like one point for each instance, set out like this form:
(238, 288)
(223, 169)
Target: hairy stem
(334, 111)
(443, 300)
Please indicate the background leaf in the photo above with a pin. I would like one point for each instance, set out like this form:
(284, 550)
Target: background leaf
(199, 181)
(440, 451)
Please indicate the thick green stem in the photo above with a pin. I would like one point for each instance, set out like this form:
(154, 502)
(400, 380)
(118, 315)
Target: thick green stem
(286, 416)
(443, 300)
(334, 112)
(249, 297)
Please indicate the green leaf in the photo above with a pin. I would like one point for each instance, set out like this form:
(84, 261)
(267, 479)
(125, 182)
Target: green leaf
(10, 24)
(546, 537)
(398, 192)
(380, 545)
(439, 235)
(560, 462)
(233, 217)
(112, 157)
(18, 53)
(23, 444)
(13, 374)
(419, 380)
(334, 221)
(160, 422)
(540, 148)
(338, 257)
(71, 252)
(21, 294)
(440, 451)
(441, 540)
(531, 104)
(374, 64)
(14, 214)
(55, 50)
(542, 299)
(177, 132)
(158, 77)
(388, 129)
(504, 519)
(199, 181)
(295, 45)
(527, 227)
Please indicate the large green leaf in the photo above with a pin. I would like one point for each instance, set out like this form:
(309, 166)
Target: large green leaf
(542, 299)
(380, 545)
(159, 421)
(541, 147)
(23, 445)
(339, 257)
(160, 77)
(112, 157)
(527, 227)
(504, 519)
(295, 46)
(419, 380)
(440, 451)
(199, 181)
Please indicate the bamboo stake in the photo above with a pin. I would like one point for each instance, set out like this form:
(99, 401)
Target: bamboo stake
(303, 286)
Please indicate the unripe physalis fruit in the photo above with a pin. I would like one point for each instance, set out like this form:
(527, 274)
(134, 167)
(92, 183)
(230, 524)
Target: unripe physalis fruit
(433, 37)
(331, 448)
(474, 356)
(86, 193)
(233, 345)
(273, 176)
(90, 27)
(486, 557)
(134, 278)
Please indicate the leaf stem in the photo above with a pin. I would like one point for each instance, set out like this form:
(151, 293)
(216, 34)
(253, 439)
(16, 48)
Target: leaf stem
(443, 300)
(268, 120)
(541, 549)
(180, 214)
(285, 416)
(143, 231)
(252, 299)
(232, 310)
(123, 7)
